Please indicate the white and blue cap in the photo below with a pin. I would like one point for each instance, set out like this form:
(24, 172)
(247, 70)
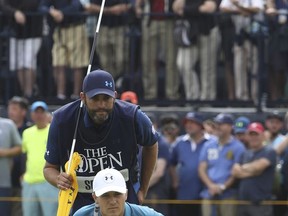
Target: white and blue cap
(39, 104)
(224, 118)
(99, 82)
(108, 180)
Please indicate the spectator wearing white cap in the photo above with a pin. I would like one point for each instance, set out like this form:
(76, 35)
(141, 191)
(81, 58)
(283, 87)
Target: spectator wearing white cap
(110, 194)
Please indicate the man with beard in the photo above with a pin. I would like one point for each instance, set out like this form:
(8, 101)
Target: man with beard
(107, 137)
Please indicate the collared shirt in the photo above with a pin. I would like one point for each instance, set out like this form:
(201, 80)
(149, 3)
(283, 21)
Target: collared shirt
(220, 160)
(185, 155)
(130, 210)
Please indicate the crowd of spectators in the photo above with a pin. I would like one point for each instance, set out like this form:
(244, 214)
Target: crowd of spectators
(48, 41)
(238, 160)
(202, 159)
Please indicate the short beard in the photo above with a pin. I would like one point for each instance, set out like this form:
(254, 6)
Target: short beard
(99, 119)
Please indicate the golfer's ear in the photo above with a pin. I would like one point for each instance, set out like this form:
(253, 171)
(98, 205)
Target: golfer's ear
(126, 195)
(94, 197)
(116, 94)
(82, 96)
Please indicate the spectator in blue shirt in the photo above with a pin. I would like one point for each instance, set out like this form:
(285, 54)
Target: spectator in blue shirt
(185, 161)
(216, 161)
(110, 193)
(256, 171)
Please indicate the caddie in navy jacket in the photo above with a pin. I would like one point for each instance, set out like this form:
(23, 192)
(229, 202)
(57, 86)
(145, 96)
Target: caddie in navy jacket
(107, 137)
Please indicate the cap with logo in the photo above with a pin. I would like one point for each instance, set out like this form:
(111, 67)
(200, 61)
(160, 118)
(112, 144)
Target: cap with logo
(241, 124)
(109, 180)
(224, 118)
(256, 127)
(99, 82)
(39, 104)
(194, 116)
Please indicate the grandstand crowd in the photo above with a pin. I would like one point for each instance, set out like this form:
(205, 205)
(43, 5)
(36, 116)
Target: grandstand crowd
(173, 50)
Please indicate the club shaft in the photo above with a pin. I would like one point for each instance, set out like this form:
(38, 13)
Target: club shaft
(88, 71)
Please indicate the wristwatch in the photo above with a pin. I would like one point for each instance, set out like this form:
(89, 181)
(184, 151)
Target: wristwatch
(222, 187)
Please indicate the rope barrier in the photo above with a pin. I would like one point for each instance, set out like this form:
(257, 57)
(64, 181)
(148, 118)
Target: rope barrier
(215, 202)
(162, 201)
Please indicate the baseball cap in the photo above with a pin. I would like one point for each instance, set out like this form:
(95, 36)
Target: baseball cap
(224, 118)
(194, 116)
(109, 180)
(38, 104)
(256, 127)
(241, 124)
(129, 96)
(275, 115)
(99, 82)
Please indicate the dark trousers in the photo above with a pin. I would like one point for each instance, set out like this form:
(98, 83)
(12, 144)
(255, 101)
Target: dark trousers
(5, 205)
(189, 209)
(255, 210)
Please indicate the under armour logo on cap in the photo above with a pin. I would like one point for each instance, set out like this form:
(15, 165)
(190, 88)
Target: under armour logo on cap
(108, 84)
(109, 180)
(99, 82)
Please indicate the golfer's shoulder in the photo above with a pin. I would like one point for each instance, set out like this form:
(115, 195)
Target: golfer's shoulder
(87, 210)
(133, 209)
(124, 108)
